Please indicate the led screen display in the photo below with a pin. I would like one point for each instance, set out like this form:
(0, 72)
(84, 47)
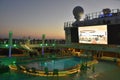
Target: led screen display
(93, 34)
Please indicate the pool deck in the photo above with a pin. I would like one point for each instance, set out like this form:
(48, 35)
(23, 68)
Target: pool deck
(60, 73)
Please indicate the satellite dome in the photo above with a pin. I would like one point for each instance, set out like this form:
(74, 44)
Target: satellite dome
(78, 12)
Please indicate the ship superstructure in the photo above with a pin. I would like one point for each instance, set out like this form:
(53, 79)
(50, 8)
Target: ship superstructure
(109, 17)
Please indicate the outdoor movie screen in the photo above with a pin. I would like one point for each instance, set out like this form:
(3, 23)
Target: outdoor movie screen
(93, 34)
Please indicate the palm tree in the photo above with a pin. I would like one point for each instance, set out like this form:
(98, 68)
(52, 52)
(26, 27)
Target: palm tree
(46, 70)
(55, 72)
(4, 68)
(33, 70)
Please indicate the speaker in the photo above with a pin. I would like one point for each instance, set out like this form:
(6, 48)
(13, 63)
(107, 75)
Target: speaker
(114, 34)
(74, 34)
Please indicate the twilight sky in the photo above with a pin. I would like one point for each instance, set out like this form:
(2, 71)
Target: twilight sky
(36, 17)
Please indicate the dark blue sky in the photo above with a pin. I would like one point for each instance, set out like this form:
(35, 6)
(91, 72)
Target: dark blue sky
(36, 17)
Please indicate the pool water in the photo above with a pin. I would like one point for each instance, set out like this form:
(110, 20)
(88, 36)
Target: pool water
(60, 64)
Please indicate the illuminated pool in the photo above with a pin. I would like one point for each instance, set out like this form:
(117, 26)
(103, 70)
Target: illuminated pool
(61, 64)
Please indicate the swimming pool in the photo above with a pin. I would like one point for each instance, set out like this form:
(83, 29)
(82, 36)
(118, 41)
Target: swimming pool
(60, 64)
